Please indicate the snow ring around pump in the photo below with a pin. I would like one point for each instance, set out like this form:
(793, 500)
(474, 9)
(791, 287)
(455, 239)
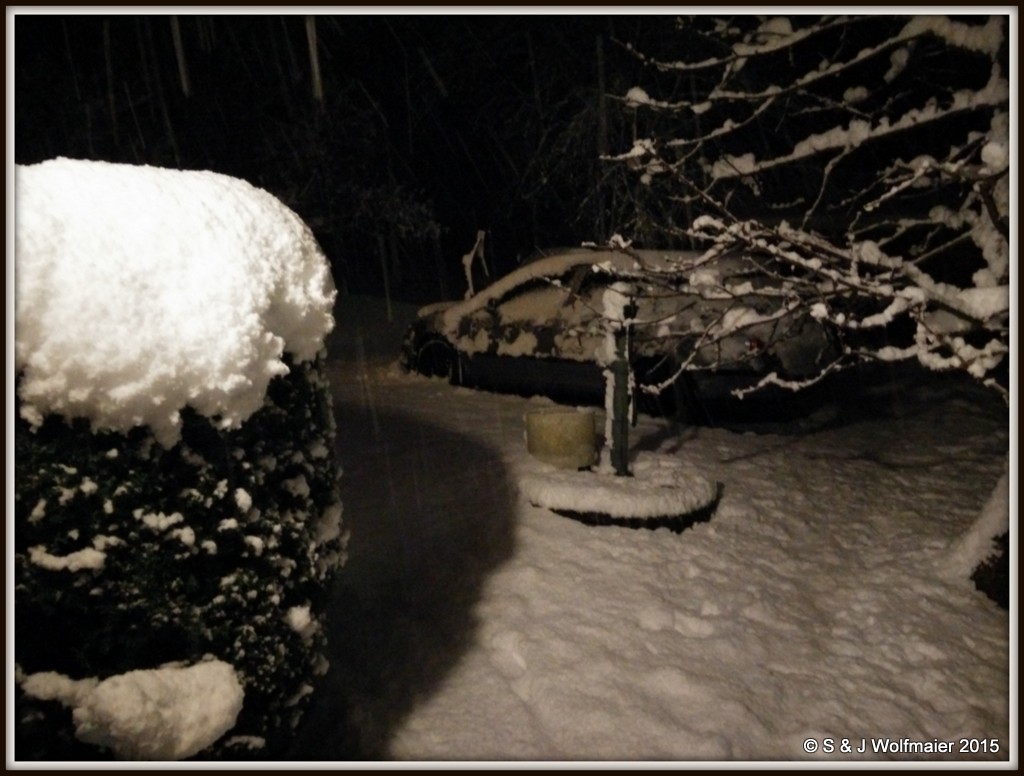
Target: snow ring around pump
(661, 487)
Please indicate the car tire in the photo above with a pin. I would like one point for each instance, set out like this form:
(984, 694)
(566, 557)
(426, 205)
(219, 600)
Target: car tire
(436, 358)
(679, 401)
(688, 406)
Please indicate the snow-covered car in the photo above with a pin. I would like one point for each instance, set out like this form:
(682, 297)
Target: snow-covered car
(543, 330)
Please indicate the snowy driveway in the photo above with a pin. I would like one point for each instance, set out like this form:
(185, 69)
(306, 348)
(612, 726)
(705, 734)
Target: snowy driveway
(815, 604)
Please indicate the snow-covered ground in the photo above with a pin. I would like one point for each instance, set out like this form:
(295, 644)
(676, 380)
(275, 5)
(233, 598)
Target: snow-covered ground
(824, 606)
(818, 607)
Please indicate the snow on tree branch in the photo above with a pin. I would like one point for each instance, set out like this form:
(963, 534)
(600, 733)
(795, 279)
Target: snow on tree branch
(874, 193)
(858, 132)
(772, 35)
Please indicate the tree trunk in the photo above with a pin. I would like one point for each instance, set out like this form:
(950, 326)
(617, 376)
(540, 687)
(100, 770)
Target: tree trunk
(603, 144)
(108, 62)
(442, 271)
(314, 59)
(382, 249)
(179, 54)
(159, 89)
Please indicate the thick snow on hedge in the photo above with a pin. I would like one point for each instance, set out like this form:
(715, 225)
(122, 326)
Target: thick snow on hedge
(140, 291)
(160, 714)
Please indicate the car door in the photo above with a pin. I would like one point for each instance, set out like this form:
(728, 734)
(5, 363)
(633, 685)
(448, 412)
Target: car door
(541, 339)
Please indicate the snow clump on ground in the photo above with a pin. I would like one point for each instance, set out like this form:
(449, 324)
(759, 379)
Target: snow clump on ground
(165, 713)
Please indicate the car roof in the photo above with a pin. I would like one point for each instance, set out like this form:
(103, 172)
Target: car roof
(615, 262)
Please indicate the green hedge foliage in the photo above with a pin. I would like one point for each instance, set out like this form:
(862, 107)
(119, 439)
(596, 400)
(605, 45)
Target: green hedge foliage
(217, 546)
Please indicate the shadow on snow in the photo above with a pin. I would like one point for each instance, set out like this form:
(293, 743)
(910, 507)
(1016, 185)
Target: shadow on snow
(431, 514)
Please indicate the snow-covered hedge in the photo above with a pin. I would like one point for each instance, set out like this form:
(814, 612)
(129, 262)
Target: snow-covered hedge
(177, 516)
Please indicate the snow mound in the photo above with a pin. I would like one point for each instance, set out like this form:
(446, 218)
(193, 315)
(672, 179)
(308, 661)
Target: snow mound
(158, 714)
(976, 545)
(141, 290)
(661, 486)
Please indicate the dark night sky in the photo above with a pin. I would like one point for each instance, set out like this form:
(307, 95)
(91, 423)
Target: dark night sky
(467, 115)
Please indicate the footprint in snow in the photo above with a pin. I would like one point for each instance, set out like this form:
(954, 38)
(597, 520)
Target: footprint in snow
(506, 653)
(656, 618)
(659, 618)
(693, 627)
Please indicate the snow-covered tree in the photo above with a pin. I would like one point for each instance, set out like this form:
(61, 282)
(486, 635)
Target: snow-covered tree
(862, 162)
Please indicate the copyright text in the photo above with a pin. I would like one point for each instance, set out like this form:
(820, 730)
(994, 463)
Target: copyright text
(901, 746)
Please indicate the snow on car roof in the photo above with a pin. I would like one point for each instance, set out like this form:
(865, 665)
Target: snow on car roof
(611, 261)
